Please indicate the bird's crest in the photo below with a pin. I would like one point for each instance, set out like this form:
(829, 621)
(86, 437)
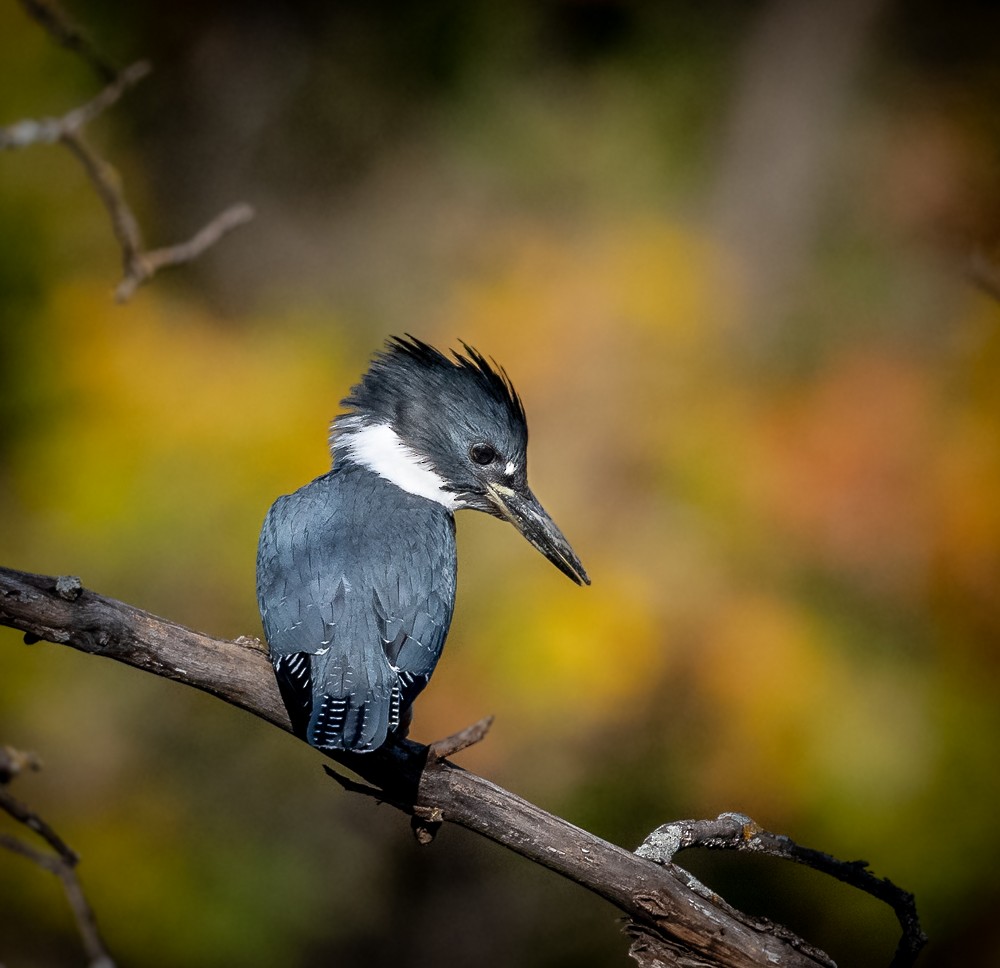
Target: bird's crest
(395, 362)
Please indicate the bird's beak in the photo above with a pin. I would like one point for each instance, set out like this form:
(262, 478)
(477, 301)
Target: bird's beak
(523, 511)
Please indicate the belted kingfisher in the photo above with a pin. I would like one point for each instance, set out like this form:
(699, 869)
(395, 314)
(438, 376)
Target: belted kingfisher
(356, 570)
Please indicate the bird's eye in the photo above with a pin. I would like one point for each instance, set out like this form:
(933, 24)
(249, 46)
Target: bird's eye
(482, 454)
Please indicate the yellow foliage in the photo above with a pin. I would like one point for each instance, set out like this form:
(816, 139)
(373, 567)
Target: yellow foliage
(796, 711)
(168, 430)
(573, 663)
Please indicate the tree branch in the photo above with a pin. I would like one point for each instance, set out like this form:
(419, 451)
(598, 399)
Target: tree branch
(62, 862)
(736, 831)
(139, 264)
(48, 131)
(672, 923)
(69, 35)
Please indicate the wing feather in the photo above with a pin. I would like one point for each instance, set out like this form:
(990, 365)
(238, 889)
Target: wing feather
(355, 605)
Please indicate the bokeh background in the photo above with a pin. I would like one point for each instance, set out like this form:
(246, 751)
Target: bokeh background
(726, 252)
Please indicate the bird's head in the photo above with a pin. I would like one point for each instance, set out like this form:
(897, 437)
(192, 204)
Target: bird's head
(451, 429)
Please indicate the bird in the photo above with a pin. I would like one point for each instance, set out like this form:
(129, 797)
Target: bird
(356, 570)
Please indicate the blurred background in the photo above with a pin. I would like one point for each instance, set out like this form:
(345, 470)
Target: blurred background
(724, 251)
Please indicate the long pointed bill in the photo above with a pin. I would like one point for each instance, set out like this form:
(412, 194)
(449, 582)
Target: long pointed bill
(523, 511)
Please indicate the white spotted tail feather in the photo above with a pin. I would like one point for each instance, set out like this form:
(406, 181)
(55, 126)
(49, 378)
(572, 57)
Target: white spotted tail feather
(354, 633)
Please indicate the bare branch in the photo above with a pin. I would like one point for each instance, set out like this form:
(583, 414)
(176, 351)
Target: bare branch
(142, 266)
(673, 923)
(736, 831)
(352, 786)
(14, 762)
(462, 740)
(50, 130)
(139, 265)
(67, 34)
(62, 863)
(32, 821)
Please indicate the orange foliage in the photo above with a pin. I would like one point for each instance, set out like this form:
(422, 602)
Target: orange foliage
(846, 466)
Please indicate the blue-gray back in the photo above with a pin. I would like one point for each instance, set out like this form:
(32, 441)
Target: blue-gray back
(356, 586)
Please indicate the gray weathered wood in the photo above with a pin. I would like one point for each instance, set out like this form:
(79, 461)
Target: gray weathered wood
(670, 923)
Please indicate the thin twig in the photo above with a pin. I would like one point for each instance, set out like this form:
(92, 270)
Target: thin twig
(69, 35)
(62, 862)
(34, 131)
(352, 786)
(142, 265)
(83, 913)
(139, 265)
(736, 831)
(443, 748)
(14, 762)
(32, 821)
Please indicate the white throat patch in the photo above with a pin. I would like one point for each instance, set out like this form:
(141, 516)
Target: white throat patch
(380, 449)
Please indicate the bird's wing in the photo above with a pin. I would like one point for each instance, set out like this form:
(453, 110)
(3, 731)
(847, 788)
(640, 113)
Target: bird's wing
(355, 606)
